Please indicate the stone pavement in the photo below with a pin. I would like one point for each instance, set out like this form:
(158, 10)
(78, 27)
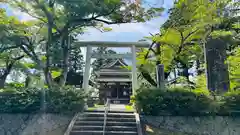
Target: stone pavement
(113, 107)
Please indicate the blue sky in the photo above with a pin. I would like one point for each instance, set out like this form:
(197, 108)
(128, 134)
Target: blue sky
(130, 32)
(124, 32)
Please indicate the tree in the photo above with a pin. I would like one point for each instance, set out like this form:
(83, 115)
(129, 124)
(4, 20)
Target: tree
(99, 62)
(61, 18)
(9, 55)
(76, 60)
(182, 38)
(234, 63)
(7, 62)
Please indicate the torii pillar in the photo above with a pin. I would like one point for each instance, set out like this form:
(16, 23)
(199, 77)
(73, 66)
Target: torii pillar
(134, 70)
(87, 67)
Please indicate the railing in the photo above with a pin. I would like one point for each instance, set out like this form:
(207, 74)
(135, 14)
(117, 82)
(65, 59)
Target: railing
(107, 107)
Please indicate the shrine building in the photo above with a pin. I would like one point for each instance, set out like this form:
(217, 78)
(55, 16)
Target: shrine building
(114, 81)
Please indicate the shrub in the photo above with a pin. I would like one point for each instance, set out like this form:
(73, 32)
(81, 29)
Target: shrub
(15, 85)
(65, 100)
(177, 101)
(19, 101)
(30, 100)
(230, 102)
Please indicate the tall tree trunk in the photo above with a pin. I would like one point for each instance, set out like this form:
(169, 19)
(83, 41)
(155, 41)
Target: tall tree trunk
(65, 51)
(47, 72)
(2, 81)
(158, 53)
(27, 81)
(7, 71)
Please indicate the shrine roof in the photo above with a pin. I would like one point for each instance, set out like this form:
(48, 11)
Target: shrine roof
(114, 68)
(114, 63)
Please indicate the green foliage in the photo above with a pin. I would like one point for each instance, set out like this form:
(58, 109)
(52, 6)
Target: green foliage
(107, 29)
(236, 25)
(230, 102)
(31, 100)
(56, 20)
(182, 37)
(65, 100)
(177, 101)
(55, 74)
(15, 85)
(98, 63)
(20, 101)
(234, 64)
(201, 82)
(221, 33)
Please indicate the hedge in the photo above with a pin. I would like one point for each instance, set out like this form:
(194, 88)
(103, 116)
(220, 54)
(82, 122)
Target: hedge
(230, 102)
(173, 102)
(180, 101)
(31, 100)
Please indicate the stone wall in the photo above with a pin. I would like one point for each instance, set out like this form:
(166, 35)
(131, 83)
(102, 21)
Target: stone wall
(202, 125)
(33, 124)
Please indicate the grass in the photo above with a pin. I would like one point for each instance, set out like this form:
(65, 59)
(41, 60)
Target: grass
(95, 107)
(98, 106)
(129, 108)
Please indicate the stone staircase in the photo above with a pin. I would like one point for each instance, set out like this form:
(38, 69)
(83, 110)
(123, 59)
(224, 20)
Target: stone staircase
(118, 123)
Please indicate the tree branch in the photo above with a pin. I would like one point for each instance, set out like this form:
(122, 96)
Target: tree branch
(107, 22)
(18, 58)
(9, 66)
(189, 34)
(7, 48)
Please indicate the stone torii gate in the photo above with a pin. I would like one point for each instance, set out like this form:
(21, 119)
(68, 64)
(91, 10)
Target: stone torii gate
(89, 54)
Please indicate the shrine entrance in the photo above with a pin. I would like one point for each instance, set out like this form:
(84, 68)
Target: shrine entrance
(114, 81)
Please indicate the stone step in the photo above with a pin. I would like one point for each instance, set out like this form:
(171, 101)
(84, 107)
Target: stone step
(108, 119)
(108, 128)
(118, 115)
(101, 111)
(101, 132)
(100, 123)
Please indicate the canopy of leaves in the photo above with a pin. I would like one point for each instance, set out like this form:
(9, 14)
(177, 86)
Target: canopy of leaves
(73, 14)
(98, 63)
(190, 25)
(234, 64)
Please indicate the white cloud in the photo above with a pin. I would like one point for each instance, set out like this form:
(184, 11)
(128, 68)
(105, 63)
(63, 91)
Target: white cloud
(17, 13)
(131, 31)
(125, 32)
(21, 15)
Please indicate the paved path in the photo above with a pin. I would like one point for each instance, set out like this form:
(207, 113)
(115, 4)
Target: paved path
(117, 107)
(113, 107)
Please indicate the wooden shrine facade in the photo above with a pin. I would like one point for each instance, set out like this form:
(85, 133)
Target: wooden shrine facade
(114, 82)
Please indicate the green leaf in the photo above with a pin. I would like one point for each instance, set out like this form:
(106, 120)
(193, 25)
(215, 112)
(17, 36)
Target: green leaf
(236, 25)
(107, 29)
(171, 36)
(43, 58)
(221, 33)
(55, 74)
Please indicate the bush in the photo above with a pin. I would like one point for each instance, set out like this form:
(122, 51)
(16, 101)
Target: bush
(15, 85)
(175, 101)
(19, 101)
(30, 100)
(65, 100)
(230, 103)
